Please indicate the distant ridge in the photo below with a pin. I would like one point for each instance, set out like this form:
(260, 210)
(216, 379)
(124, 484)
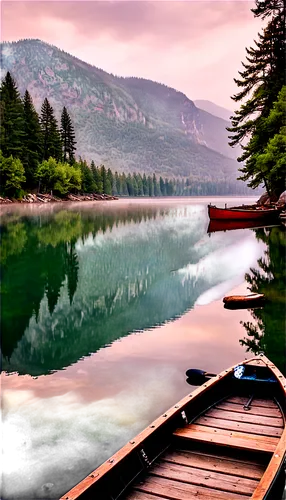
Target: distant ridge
(130, 124)
(214, 109)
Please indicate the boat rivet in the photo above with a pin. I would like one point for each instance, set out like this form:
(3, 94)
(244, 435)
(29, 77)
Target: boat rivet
(111, 461)
(152, 426)
(165, 415)
(276, 455)
(176, 406)
(131, 442)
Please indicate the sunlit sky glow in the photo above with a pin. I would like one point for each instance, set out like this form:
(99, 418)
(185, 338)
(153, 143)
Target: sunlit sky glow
(195, 47)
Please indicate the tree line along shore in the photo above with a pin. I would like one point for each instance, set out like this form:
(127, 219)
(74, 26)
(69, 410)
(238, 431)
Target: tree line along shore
(38, 161)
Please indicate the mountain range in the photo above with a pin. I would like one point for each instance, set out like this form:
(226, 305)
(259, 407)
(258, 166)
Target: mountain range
(213, 109)
(129, 124)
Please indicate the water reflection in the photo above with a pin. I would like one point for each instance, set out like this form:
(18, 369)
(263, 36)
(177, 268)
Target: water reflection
(74, 281)
(267, 332)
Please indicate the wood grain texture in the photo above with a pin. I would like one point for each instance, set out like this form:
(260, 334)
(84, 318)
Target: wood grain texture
(275, 463)
(254, 410)
(245, 417)
(267, 403)
(231, 425)
(215, 463)
(216, 480)
(173, 490)
(228, 438)
(140, 495)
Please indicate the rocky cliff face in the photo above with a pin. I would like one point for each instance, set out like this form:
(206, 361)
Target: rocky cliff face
(127, 123)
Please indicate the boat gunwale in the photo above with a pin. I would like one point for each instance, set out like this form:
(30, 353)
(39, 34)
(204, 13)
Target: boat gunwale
(133, 444)
(246, 210)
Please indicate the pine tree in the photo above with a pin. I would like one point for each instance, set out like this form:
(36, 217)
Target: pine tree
(52, 143)
(103, 175)
(12, 118)
(32, 140)
(109, 181)
(145, 185)
(88, 184)
(68, 137)
(162, 186)
(150, 186)
(261, 81)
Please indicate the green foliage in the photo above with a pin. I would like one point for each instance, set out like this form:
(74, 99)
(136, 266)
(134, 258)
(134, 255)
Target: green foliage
(60, 178)
(12, 118)
(87, 184)
(12, 175)
(268, 166)
(261, 81)
(52, 142)
(267, 333)
(32, 140)
(68, 137)
(148, 133)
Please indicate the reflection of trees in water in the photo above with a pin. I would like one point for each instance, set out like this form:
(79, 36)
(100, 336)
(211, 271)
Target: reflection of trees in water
(267, 334)
(38, 255)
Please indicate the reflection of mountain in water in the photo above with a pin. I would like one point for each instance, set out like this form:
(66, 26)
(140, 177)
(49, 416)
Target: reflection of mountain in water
(75, 282)
(267, 334)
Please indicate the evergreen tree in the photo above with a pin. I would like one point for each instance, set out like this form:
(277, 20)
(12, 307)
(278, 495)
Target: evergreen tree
(145, 185)
(118, 183)
(109, 181)
(32, 141)
(140, 185)
(12, 118)
(150, 186)
(162, 186)
(88, 185)
(68, 137)
(104, 178)
(52, 143)
(156, 186)
(124, 185)
(261, 79)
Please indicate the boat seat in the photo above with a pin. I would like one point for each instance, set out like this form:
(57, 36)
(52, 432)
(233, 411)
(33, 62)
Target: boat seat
(223, 437)
(229, 424)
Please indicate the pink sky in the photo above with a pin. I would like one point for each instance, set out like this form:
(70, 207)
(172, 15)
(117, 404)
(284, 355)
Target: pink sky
(195, 47)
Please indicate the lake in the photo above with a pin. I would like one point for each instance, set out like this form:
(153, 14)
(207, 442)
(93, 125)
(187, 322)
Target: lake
(104, 306)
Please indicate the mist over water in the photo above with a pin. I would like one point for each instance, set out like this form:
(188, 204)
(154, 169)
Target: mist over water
(104, 308)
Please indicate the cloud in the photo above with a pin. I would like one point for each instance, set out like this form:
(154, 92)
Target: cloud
(194, 46)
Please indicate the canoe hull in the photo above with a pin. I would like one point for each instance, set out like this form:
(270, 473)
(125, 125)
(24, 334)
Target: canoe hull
(216, 225)
(255, 214)
(125, 476)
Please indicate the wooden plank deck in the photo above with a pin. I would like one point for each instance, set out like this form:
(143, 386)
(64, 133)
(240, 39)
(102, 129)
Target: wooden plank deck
(189, 474)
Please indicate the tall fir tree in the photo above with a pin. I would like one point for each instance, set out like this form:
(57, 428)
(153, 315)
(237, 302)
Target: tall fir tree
(68, 137)
(260, 83)
(32, 141)
(52, 142)
(12, 118)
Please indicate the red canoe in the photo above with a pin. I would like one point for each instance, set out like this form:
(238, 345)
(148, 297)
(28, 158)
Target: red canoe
(242, 213)
(229, 225)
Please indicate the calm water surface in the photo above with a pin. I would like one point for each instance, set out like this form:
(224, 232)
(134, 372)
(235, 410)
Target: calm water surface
(104, 307)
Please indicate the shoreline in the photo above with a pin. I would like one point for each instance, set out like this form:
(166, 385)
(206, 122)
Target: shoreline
(41, 199)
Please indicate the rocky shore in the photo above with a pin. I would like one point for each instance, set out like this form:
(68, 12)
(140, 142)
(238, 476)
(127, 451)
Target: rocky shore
(48, 198)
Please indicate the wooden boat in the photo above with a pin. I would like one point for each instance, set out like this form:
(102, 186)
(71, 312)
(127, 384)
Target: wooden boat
(252, 212)
(243, 301)
(216, 225)
(224, 441)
